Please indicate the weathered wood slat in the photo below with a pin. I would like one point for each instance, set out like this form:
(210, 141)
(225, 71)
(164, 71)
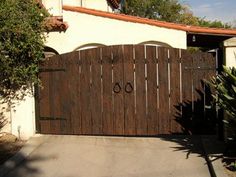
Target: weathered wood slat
(107, 119)
(43, 98)
(118, 85)
(175, 102)
(44, 94)
(141, 119)
(53, 97)
(164, 124)
(128, 91)
(85, 88)
(72, 70)
(95, 97)
(152, 116)
(198, 92)
(187, 96)
(210, 111)
(62, 86)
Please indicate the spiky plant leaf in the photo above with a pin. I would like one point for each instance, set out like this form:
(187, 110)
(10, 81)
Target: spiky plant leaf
(225, 96)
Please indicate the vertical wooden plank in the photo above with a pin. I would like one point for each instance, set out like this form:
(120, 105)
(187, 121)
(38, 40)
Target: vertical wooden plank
(73, 92)
(187, 83)
(47, 115)
(152, 117)
(37, 108)
(164, 123)
(96, 108)
(68, 86)
(107, 115)
(130, 125)
(51, 93)
(210, 111)
(61, 88)
(54, 94)
(85, 91)
(210, 59)
(44, 97)
(141, 121)
(198, 93)
(118, 76)
(175, 105)
(45, 128)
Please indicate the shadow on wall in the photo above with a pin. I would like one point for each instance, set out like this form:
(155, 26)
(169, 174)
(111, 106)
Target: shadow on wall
(9, 102)
(4, 118)
(197, 117)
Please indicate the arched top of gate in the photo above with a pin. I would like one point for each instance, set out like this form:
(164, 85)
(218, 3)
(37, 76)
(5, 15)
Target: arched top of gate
(89, 46)
(155, 43)
(49, 52)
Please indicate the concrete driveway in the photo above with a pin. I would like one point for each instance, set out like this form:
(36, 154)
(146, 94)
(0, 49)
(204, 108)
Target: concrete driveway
(82, 156)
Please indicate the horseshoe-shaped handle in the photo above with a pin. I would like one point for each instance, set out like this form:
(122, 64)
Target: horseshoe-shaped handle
(117, 88)
(128, 87)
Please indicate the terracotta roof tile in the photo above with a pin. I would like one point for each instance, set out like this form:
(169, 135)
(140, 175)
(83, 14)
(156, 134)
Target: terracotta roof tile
(128, 18)
(53, 23)
(56, 24)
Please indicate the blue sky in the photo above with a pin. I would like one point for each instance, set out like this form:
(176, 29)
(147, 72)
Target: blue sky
(224, 10)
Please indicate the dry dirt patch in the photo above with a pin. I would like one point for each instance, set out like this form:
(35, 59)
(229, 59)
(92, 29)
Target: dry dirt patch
(9, 146)
(230, 173)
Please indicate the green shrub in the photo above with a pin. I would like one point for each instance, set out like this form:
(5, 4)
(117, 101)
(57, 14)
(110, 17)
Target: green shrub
(21, 46)
(225, 96)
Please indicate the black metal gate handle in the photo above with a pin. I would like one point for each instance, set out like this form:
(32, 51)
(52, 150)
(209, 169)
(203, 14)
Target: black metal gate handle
(117, 88)
(128, 87)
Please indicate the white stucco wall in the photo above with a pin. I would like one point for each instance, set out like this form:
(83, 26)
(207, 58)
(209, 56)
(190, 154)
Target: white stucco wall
(19, 119)
(85, 29)
(54, 7)
(23, 118)
(230, 52)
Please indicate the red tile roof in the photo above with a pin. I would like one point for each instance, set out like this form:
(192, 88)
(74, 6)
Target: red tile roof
(128, 18)
(54, 23)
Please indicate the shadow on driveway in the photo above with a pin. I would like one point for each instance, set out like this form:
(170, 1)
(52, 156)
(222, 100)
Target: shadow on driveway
(84, 156)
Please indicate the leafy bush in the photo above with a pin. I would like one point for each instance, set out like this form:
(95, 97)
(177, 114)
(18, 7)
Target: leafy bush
(225, 86)
(21, 46)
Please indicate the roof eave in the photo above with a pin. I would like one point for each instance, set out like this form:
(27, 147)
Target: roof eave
(134, 19)
(55, 23)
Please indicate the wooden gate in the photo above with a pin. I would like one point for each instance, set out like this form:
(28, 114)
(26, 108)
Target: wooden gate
(131, 90)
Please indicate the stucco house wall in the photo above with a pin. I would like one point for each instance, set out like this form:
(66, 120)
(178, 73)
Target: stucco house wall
(18, 119)
(54, 7)
(23, 118)
(230, 52)
(88, 29)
